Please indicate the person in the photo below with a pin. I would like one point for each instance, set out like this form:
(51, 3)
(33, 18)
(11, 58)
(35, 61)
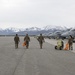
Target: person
(17, 40)
(70, 42)
(41, 40)
(27, 40)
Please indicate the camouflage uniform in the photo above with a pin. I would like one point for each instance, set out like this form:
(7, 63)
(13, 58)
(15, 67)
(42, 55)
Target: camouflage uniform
(70, 41)
(41, 40)
(16, 39)
(27, 39)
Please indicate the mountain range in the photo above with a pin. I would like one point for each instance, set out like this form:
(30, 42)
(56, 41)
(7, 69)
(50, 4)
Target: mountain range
(31, 30)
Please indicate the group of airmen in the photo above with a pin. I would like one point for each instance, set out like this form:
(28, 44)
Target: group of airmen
(68, 46)
(41, 40)
(27, 40)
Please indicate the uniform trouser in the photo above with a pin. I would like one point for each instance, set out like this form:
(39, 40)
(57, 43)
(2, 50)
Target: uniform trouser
(41, 43)
(16, 45)
(27, 44)
(70, 46)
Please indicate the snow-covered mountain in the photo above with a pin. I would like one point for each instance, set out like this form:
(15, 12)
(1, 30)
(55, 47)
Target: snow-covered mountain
(52, 27)
(12, 29)
(31, 30)
(20, 29)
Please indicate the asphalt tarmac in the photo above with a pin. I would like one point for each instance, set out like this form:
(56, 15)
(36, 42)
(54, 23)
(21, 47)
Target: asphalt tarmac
(34, 61)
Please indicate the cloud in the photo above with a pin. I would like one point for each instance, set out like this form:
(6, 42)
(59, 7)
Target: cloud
(37, 12)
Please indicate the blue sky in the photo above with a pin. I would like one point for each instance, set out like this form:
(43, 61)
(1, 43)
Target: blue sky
(37, 13)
